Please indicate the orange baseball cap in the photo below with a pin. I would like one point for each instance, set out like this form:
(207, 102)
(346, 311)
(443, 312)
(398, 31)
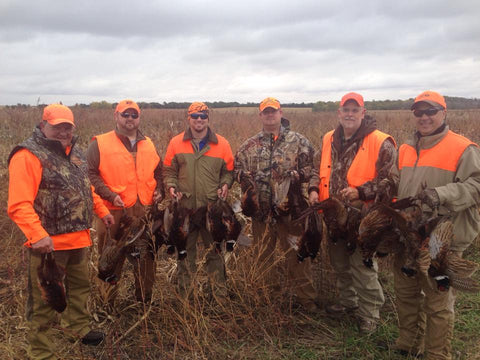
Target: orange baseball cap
(57, 113)
(127, 104)
(352, 96)
(431, 97)
(197, 106)
(269, 102)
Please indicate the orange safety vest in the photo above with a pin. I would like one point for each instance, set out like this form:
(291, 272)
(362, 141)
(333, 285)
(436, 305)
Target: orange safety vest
(363, 167)
(125, 175)
(444, 155)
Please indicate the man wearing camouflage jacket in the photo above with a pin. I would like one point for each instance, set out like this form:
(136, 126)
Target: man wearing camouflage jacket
(267, 158)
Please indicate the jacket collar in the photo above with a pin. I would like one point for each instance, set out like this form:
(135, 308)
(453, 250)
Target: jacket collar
(53, 145)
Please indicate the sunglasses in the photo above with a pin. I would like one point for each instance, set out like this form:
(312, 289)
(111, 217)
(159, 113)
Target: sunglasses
(428, 112)
(202, 116)
(127, 115)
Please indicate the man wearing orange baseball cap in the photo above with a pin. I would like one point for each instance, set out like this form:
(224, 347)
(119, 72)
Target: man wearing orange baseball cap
(51, 201)
(355, 159)
(442, 169)
(126, 172)
(273, 157)
(199, 170)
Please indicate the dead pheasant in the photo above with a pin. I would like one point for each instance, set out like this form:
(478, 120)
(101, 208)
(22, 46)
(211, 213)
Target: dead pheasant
(177, 223)
(311, 237)
(443, 265)
(250, 206)
(50, 282)
(129, 230)
(287, 197)
(222, 224)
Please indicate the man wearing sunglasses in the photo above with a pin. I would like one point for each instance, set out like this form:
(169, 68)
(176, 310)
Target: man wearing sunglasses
(441, 168)
(198, 170)
(274, 156)
(126, 171)
(358, 165)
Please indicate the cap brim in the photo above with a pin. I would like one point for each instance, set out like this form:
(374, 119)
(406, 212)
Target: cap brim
(433, 103)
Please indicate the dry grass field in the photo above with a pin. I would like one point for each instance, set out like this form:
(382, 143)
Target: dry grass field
(256, 323)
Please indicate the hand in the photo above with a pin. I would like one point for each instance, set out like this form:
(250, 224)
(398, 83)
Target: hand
(313, 197)
(157, 195)
(223, 192)
(175, 194)
(43, 246)
(430, 198)
(294, 175)
(108, 220)
(350, 193)
(118, 201)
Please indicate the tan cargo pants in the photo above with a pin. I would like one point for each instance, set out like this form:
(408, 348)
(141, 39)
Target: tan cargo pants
(187, 268)
(144, 266)
(357, 284)
(425, 314)
(40, 316)
(299, 275)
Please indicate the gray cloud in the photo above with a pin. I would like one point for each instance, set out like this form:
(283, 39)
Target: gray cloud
(211, 50)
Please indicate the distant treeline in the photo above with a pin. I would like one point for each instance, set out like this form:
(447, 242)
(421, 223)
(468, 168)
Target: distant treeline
(452, 103)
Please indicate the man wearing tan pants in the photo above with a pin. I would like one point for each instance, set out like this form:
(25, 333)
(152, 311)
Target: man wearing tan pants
(355, 158)
(441, 168)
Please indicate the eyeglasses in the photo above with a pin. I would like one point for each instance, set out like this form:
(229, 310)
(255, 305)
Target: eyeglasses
(127, 115)
(354, 110)
(202, 116)
(428, 112)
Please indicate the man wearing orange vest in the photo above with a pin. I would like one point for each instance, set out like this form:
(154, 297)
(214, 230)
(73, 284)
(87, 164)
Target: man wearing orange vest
(355, 158)
(198, 171)
(448, 165)
(51, 201)
(126, 172)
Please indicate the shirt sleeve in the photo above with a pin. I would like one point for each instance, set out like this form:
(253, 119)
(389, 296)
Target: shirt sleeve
(25, 175)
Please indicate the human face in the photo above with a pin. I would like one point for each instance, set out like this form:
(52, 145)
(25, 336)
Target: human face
(198, 125)
(428, 124)
(350, 116)
(271, 118)
(62, 132)
(126, 122)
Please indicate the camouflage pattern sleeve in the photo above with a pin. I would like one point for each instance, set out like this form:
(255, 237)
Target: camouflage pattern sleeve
(384, 186)
(305, 159)
(314, 182)
(241, 166)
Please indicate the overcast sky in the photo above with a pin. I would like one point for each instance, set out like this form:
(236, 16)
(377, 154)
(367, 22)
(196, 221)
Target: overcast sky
(186, 50)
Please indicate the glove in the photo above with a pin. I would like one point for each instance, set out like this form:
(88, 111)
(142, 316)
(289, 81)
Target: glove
(430, 198)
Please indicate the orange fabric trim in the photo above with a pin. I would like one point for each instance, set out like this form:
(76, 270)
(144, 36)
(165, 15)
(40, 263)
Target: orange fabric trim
(444, 155)
(124, 175)
(25, 172)
(221, 150)
(363, 167)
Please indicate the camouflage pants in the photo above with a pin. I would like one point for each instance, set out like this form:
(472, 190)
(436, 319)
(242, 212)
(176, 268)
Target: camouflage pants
(358, 285)
(266, 238)
(187, 268)
(425, 314)
(144, 266)
(40, 316)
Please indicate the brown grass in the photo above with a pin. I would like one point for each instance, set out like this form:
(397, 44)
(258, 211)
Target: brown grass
(256, 322)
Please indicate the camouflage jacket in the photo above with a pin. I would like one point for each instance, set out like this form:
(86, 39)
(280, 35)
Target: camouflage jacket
(343, 153)
(268, 160)
(64, 200)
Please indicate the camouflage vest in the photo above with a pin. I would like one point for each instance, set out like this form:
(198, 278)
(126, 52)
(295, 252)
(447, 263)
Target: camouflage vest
(64, 200)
